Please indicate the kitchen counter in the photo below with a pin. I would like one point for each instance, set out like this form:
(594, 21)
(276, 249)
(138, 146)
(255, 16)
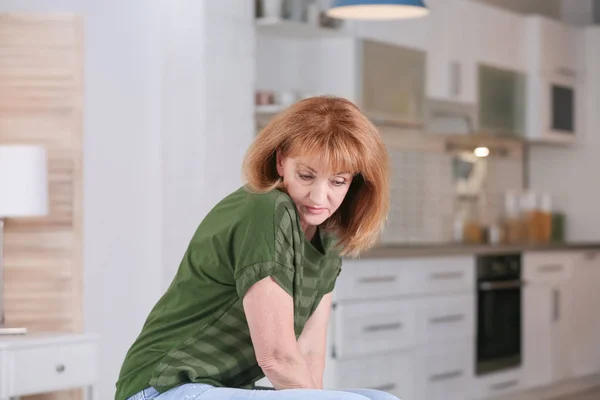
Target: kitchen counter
(450, 249)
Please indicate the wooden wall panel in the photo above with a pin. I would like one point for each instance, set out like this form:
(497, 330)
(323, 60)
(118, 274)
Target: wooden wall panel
(41, 102)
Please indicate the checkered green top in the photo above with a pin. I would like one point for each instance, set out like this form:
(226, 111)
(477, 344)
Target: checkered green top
(197, 332)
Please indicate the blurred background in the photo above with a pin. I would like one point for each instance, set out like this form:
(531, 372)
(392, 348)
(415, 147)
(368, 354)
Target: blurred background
(123, 122)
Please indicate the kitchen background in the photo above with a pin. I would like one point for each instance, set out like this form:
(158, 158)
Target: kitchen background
(485, 282)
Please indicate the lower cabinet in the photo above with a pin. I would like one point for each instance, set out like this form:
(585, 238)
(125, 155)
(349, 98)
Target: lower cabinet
(498, 384)
(392, 372)
(444, 371)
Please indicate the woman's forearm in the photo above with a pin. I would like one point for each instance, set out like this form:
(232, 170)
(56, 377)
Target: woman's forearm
(288, 370)
(316, 366)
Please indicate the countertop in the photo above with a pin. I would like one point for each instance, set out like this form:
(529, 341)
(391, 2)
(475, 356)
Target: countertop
(436, 250)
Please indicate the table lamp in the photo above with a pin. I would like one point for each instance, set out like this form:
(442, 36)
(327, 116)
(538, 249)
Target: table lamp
(23, 193)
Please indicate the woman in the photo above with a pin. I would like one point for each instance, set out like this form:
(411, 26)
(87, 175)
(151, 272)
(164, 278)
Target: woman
(253, 292)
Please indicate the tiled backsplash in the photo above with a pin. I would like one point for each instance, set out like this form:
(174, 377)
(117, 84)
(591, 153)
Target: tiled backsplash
(423, 194)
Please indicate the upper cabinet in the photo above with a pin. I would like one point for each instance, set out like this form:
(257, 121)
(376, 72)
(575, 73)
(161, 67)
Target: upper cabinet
(392, 83)
(499, 36)
(502, 97)
(552, 62)
(451, 38)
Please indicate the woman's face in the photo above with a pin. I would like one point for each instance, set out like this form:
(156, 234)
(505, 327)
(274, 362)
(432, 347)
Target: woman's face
(315, 189)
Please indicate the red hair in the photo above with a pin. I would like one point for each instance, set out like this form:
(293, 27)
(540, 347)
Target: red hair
(332, 129)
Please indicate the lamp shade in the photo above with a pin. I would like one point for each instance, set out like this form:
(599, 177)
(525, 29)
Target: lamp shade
(23, 181)
(377, 9)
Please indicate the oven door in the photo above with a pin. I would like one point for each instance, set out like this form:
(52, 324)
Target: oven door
(498, 325)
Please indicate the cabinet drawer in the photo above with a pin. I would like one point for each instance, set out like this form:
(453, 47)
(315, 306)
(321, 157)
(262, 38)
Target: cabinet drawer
(368, 279)
(373, 326)
(47, 369)
(445, 371)
(547, 267)
(498, 384)
(440, 319)
(442, 275)
(392, 373)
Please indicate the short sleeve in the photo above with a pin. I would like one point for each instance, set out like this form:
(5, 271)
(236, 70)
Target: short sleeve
(332, 276)
(270, 247)
(251, 274)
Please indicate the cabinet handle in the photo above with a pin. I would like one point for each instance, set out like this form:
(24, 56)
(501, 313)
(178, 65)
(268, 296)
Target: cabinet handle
(455, 81)
(555, 305)
(447, 319)
(60, 368)
(378, 279)
(446, 376)
(550, 268)
(504, 385)
(385, 388)
(566, 72)
(500, 285)
(382, 327)
(445, 275)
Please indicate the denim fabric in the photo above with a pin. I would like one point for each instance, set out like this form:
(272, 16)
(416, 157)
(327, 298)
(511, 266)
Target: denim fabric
(197, 391)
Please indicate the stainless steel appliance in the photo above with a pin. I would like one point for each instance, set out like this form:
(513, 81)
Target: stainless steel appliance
(499, 327)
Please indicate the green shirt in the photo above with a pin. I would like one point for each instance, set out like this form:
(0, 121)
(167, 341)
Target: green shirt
(197, 332)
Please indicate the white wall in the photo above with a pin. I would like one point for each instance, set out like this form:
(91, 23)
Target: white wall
(208, 113)
(168, 116)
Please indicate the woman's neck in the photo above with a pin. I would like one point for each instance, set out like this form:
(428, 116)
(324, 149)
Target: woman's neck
(309, 231)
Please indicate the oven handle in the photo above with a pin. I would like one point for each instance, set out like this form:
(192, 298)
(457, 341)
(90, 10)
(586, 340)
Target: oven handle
(501, 285)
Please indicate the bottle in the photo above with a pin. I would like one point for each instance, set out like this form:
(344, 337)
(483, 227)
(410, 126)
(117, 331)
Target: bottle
(545, 218)
(512, 219)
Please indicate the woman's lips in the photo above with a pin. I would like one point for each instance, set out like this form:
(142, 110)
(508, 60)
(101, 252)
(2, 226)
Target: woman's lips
(316, 210)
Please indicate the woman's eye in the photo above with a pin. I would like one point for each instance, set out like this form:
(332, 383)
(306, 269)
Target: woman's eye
(339, 183)
(305, 177)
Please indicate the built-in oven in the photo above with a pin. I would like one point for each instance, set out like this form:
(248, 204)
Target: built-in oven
(499, 329)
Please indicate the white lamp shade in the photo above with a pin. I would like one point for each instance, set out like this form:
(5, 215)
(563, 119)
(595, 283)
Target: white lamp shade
(23, 181)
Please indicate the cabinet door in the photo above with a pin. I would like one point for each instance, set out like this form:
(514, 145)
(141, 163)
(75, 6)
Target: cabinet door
(393, 83)
(445, 371)
(538, 316)
(392, 372)
(582, 302)
(499, 36)
(451, 40)
(502, 97)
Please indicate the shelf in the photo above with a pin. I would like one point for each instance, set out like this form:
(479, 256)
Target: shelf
(293, 29)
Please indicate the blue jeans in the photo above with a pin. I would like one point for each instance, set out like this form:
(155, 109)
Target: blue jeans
(199, 391)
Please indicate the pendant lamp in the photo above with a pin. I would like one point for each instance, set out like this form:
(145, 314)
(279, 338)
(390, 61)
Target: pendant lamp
(377, 9)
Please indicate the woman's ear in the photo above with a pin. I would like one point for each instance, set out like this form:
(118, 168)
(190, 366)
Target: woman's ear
(280, 162)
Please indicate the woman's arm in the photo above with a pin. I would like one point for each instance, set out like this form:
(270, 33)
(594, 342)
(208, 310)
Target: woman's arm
(313, 340)
(270, 314)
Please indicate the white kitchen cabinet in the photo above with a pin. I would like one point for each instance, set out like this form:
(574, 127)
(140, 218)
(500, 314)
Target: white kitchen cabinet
(502, 101)
(392, 372)
(551, 47)
(553, 88)
(546, 330)
(392, 83)
(444, 319)
(445, 371)
(372, 327)
(499, 37)
(498, 384)
(451, 41)
(583, 297)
